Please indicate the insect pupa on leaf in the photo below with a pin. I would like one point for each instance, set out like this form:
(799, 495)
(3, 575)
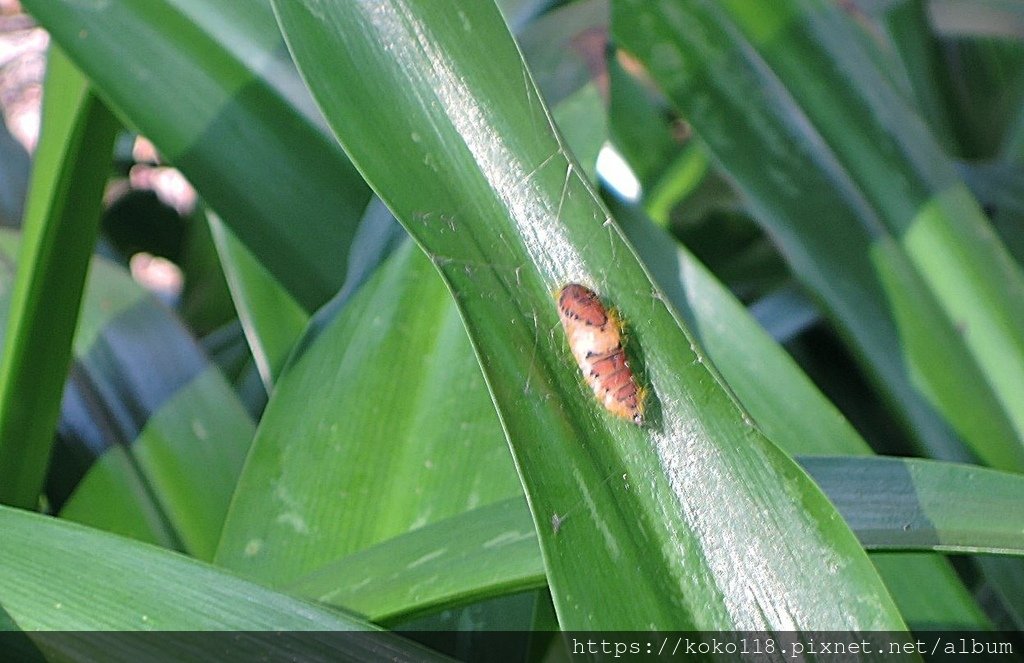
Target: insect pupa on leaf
(595, 338)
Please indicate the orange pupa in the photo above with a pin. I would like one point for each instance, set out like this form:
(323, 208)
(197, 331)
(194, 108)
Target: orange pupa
(595, 338)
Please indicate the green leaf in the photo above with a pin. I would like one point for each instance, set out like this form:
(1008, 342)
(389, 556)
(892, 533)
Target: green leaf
(913, 504)
(205, 304)
(142, 408)
(490, 193)
(940, 606)
(794, 412)
(109, 294)
(424, 569)
(795, 112)
(642, 132)
(132, 586)
(271, 318)
(114, 496)
(61, 220)
(382, 425)
(987, 90)
(202, 425)
(211, 85)
(581, 118)
(920, 53)
(681, 178)
(495, 552)
(891, 504)
(565, 48)
(1005, 579)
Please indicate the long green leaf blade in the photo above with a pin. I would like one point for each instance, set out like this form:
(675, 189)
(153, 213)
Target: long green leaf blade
(270, 317)
(681, 515)
(141, 408)
(793, 412)
(130, 586)
(211, 85)
(891, 505)
(495, 553)
(62, 218)
(925, 285)
(912, 504)
(382, 425)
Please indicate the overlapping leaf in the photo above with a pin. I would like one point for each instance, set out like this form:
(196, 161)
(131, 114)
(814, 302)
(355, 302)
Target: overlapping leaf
(132, 586)
(381, 425)
(211, 85)
(62, 221)
(681, 515)
(846, 177)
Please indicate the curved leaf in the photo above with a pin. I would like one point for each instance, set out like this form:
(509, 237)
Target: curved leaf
(945, 606)
(270, 317)
(202, 425)
(849, 181)
(925, 505)
(141, 407)
(211, 85)
(494, 553)
(380, 426)
(132, 586)
(62, 219)
(920, 59)
(794, 412)
(926, 588)
(891, 505)
(681, 515)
